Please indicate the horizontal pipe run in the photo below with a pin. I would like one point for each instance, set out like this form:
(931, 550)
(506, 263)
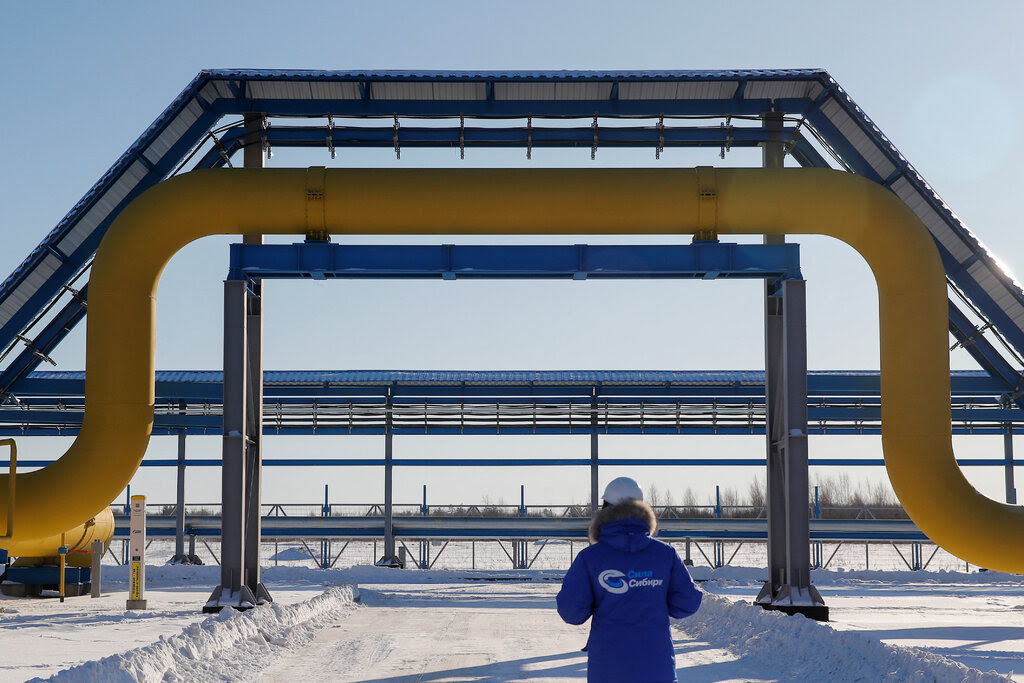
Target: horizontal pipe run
(909, 275)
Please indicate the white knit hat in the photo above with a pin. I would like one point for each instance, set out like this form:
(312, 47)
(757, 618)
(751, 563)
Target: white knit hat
(622, 489)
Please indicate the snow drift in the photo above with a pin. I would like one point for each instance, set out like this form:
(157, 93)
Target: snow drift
(228, 646)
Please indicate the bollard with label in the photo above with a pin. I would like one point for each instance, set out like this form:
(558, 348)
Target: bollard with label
(137, 554)
(97, 568)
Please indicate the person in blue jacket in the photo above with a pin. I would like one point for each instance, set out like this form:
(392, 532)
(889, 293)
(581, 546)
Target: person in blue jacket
(630, 584)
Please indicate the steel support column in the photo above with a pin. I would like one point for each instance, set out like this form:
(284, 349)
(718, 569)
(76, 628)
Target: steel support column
(789, 587)
(233, 591)
(1011, 489)
(180, 556)
(240, 585)
(593, 455)
(389, 558)
(252, 157)
(253, 480)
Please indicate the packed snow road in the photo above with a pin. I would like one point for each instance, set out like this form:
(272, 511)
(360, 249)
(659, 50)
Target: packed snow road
(446, 632)
(509, 631)
(476, 631)
(372, 624)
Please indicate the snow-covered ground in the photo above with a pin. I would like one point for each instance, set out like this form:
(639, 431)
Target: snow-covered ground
(369, 624)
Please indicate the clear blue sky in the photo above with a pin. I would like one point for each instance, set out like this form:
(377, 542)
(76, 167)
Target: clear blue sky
(79, 84)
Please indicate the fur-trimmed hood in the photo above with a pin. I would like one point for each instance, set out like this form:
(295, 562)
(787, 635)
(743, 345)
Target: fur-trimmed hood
(630, 509)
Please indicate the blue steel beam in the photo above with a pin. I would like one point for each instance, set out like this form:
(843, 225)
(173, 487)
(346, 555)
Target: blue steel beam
(51, 335)
(490, 528)
(470, 136)
(205, 385)
(993, 362)
(324, 260)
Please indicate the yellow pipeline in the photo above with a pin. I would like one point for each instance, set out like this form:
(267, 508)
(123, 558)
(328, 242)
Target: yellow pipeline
(916, 433)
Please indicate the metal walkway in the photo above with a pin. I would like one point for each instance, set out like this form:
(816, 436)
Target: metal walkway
(46, 295)
(506, 402)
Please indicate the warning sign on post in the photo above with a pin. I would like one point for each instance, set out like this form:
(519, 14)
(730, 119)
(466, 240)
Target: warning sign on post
(137, 554)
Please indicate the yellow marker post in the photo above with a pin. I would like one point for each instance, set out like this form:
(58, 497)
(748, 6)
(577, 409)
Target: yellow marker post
(137, 554)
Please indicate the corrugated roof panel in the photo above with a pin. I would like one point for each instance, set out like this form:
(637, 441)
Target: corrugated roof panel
(669, 90)
(29, 286)
(917, 203)
(25, 289)
(706, 90)
(47, 267)
(524, 91)
(583, 91)
(564, 74)
(174, 130)
(460, 91)
(215, 90)
(553, 91)
(655, 90)
(279, 90)
(83, 228)
(851, 130)
(778, 90)
(330, 90)
(6, 311)
(392, 90)
(996, 288)
(431, 91)
(132, 176)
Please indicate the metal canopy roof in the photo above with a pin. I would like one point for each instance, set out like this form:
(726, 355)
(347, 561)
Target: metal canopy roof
(809, 96)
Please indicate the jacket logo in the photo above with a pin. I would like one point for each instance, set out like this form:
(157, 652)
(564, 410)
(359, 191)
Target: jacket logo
(612, 580)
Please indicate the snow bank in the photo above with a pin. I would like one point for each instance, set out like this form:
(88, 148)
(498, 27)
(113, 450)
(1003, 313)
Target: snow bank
(826, 577)
(795, 648)
(230, 645)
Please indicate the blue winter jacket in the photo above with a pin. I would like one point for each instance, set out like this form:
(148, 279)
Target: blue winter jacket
(630, 584)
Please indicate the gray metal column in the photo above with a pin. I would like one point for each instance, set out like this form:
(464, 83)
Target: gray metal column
(253, 158)
(789, 587)
(179, 507)
(232, 591)
(180, 556)
(1011, 490)
(389, 558)
(240, 585)
(594, 493)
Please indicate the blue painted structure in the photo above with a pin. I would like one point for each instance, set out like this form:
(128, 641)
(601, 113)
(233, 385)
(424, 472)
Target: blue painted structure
(326, 260)
(521, 108)
(507, 402)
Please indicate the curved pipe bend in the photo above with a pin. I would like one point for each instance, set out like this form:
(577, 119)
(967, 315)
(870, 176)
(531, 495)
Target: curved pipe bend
(916, 435)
